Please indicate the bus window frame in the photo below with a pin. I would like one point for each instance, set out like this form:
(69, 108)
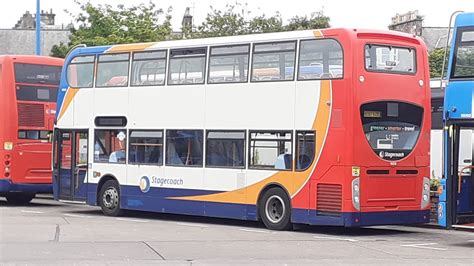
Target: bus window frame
(318, 39)
(249, 45)
(204, 72)
(295, 60)
(131, 66)
(296, 151)
(459, 33)
(97, 63)
(207, 131)
(94, 69)
(415, 59)
(249, 148)
(163, 151)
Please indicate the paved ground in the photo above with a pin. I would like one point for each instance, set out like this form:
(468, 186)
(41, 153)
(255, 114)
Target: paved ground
(51, 233)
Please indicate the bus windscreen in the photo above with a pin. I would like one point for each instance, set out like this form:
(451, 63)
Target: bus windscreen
(37, 74)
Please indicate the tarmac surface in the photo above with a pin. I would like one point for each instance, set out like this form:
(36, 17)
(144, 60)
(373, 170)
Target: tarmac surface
(47, 232)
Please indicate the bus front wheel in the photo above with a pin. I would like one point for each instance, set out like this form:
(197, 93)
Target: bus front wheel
(109, 198)
(19, 198)
(275, 209)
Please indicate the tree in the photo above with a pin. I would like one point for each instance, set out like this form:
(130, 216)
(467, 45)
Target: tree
(223, 23)
(233, 21)
(436, 58)
(104, 25)
(317, 20)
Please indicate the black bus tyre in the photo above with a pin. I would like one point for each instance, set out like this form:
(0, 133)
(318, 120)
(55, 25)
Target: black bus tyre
(109, 198)
(19, 198)
(275, 209)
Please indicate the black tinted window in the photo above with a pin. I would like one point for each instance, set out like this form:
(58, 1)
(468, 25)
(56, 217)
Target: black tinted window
(37, 74)
(391, 128)
(36, 94)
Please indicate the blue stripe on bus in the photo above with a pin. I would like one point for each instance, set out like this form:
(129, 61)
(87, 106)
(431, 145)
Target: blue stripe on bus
(156, 200)
(7, 186)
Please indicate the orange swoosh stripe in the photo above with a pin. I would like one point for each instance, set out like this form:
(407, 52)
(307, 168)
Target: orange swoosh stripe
(317, 33)
(129, 47)
(70, 93)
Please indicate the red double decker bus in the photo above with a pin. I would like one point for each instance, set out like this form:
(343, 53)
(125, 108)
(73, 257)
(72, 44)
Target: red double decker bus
(28, 93)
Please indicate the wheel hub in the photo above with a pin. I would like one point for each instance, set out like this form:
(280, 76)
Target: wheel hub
(110, 198)
(275, 209)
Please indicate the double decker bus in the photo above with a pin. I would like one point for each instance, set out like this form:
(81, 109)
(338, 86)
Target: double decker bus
(456, 207)
(320, 127)
(28, 94)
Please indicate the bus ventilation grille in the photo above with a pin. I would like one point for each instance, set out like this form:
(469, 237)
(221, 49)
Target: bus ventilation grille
(329, 199)
(30, 115)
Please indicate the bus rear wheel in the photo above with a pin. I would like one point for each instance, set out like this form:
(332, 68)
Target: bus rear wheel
(19, 198)
(275, 209)
(109, 198)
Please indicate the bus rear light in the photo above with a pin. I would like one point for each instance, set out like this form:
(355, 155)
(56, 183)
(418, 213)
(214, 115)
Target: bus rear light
(7, 169)
(7, 174)
(8, 145)
(356, 193)
(7, 162)
(7, 157)
(425, 193)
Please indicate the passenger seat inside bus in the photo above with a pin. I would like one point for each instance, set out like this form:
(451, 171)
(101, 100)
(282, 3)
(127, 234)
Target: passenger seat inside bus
(283, 161)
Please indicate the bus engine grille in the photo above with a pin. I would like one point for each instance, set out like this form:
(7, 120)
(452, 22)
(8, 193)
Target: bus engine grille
(329, 199)
(30, 115)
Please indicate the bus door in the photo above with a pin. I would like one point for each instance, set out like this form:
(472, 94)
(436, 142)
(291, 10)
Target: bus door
(458, 192)
(71, 172)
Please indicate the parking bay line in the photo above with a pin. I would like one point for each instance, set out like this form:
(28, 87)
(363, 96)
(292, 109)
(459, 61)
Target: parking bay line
(336, 238)
(132, 220)
(36, 212)
(424, 246)
(254, 231)
(76, 215)
(193, 225)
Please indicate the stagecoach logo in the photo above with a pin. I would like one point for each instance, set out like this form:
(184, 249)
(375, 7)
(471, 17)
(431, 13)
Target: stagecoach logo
(144, 184)
(391, 155)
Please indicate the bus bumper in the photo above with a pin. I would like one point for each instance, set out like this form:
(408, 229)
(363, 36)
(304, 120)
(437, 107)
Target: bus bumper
(386, 218)
(6, 186)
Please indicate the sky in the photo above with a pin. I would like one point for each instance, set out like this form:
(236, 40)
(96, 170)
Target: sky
(371, 14)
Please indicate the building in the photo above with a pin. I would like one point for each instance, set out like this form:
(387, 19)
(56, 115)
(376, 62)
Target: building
(412, 23)
(21, 39)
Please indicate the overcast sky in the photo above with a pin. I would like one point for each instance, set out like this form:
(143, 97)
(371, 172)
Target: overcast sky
(374, 14)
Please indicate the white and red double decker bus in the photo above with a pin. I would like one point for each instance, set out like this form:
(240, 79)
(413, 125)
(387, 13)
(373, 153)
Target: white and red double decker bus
(28, 93)
(323, 127)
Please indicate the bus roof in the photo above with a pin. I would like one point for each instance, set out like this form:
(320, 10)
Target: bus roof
(262, 37)
(464, 19)
(32, 59)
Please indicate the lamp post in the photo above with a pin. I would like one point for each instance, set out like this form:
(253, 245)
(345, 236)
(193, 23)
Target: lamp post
(38, 28)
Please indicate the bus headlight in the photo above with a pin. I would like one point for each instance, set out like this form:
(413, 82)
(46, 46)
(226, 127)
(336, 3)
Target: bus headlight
(425, 194)
(355, 193)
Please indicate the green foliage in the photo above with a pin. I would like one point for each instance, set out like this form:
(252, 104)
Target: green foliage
(60, 50)
(104, 25)
(436, 62)
(233, 21)
(317, 20)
